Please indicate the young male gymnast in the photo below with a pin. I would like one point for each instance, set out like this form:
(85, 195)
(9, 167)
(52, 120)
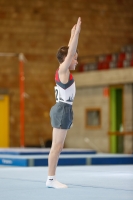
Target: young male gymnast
(61, 113)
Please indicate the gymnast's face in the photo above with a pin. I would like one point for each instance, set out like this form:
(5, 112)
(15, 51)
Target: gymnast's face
(74, 62)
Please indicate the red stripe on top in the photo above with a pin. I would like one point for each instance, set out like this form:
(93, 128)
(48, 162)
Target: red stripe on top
(70, 77)
(57, 77)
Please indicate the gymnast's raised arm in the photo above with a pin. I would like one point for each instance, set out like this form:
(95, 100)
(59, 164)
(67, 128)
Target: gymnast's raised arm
(63, 68)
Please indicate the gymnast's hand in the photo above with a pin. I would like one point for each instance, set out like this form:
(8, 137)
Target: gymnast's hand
(78, 26)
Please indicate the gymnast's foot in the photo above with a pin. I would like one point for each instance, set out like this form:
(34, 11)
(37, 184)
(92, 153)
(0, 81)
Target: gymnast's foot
(53, 183)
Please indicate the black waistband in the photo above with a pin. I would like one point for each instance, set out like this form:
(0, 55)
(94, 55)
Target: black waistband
(64, 104)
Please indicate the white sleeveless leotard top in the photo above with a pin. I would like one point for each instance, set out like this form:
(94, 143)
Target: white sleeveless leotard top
(65, 92)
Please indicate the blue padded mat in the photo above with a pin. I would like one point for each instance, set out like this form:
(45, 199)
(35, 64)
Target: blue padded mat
(65, 160)
(43, 151)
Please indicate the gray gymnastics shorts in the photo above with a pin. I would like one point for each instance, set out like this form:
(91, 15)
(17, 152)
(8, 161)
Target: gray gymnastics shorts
(61, 115)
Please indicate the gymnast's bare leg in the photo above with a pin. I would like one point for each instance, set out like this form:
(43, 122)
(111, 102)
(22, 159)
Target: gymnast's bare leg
(58, 139)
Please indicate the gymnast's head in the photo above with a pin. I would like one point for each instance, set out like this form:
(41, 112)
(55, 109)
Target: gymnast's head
(61, 55)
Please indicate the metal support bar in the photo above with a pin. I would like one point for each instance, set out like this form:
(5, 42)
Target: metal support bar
(21, 79)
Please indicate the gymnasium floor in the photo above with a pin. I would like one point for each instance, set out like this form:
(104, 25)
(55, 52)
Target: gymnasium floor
(108, 182)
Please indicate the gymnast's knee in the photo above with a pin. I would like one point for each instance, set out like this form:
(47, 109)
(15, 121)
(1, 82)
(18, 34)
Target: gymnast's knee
(57, 148)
